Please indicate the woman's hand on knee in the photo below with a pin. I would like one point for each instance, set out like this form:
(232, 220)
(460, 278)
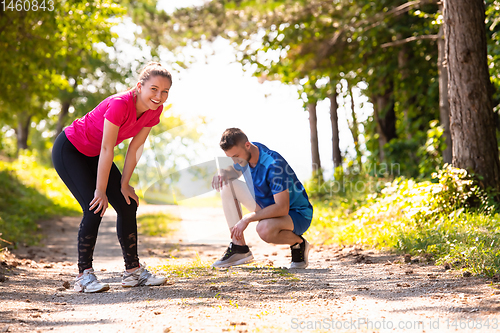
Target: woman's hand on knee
(129, 192)
(99, 203)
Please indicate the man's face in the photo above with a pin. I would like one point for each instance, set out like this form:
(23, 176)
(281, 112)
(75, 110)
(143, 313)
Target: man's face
(240, 153)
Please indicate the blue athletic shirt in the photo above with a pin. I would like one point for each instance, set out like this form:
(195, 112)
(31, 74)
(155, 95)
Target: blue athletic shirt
(273, 175)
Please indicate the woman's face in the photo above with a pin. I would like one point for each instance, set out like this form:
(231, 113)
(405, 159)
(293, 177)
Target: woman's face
(153, 93)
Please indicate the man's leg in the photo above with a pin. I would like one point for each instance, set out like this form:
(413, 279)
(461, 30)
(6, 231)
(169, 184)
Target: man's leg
(280, 230)
(232, 194)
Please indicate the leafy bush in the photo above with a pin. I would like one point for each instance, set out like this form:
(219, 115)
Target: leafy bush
(453, 220)
(430, 154)
(30, 193)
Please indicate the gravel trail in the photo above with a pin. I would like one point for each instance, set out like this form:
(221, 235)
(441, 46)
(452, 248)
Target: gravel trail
(343, 290)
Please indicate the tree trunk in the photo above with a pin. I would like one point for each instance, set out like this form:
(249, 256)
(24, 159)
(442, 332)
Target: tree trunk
(472, 122)
(385, 117)
(444, 105)
(334, 105)
(66, 103)
(313, 122)
(61, 121)
(403, 59)
(355, 129)
(22, 130)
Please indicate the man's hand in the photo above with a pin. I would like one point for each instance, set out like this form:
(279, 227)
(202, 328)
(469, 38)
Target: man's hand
(239, 228)
(218, 181)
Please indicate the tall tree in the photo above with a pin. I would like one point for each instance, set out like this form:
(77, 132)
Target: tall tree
(313, 126)
(444, 103)
(37, 47)
(355, 128)
(325, 39)
(334, 119)
(472, 122)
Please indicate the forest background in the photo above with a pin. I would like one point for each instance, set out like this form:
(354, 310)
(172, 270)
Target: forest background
(411, 170)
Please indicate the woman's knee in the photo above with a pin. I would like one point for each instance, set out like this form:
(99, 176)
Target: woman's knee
(91, 217)
(127, 210)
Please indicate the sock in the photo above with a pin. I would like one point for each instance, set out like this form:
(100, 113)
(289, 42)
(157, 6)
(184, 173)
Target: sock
(240, 248)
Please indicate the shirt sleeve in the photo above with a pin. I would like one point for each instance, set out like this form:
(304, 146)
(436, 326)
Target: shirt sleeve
(116, 111)
(155, 120)
(277, 177)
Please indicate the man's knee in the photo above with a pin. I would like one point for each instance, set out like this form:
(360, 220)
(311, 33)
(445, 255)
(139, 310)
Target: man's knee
(226, 193)
(265, 231)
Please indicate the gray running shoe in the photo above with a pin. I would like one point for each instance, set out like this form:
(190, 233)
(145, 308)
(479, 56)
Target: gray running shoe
(300, 254)
(234, 255)
(88, 283)
(141, 277)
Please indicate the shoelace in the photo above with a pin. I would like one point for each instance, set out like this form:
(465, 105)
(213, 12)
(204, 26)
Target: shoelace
(87, 279)
(228, 253)
(145, 275)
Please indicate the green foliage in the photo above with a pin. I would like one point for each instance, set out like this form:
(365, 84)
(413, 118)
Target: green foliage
(430, 154)
(493, 31)
(452, 220)
(307, 42)
(163, 224)
(44, 50)
(461, 190)
(467, 240)
(351, 183)
(29, 193)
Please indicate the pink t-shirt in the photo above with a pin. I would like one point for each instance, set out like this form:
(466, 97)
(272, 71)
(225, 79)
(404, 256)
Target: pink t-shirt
(86, 133)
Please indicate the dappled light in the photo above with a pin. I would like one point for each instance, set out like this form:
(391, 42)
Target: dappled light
(250, 166)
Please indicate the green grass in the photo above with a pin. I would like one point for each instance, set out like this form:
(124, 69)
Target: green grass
(30, 192)
(191, 269)
(162, 224)
(433, 220)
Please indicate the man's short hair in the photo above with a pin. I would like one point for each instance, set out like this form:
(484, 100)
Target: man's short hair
(232, 137)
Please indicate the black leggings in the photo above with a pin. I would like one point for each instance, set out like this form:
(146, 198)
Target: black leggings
(79, 173)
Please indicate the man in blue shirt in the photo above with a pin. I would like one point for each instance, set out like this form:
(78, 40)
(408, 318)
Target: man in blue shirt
(271, 192)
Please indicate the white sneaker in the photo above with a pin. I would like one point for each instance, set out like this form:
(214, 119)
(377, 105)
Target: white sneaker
(88, 283)
(141, 277)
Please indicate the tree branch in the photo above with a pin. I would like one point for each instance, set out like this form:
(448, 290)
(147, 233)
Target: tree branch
(401, 10)
(409, 39)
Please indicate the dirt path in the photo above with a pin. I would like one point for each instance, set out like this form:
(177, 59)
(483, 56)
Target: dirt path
(344, 290)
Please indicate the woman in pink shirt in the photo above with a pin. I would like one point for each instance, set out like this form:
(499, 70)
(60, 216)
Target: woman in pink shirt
(83, 157)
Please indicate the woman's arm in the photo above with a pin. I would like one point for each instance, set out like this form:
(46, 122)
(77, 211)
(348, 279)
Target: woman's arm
(134, 153)
(109, 136)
